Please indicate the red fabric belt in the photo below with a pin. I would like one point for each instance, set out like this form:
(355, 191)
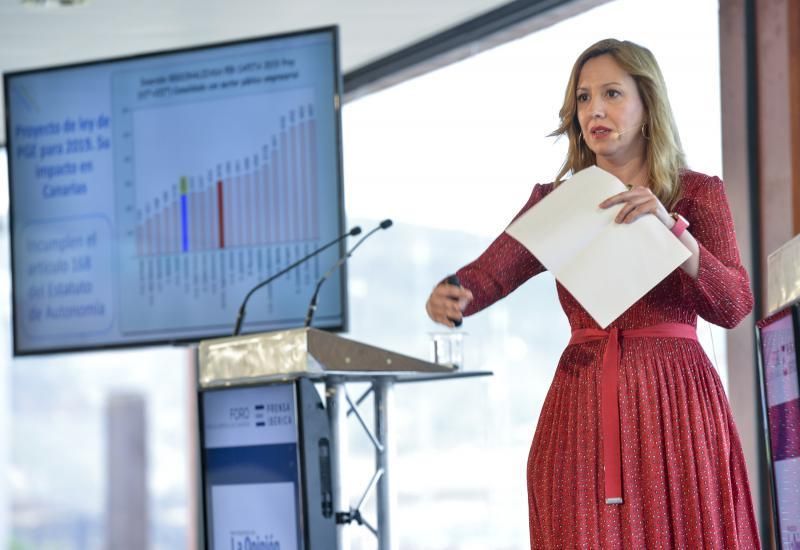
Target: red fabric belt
(609, 395)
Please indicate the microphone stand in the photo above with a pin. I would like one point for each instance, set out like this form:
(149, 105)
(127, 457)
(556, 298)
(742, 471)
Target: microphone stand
(312, 306)
(240, 315)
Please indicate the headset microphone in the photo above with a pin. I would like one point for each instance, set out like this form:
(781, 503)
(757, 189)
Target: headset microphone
(626, 130)
(619, 133)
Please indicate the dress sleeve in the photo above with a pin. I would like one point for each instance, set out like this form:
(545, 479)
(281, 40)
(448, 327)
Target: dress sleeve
(503, 267)
(721, 293)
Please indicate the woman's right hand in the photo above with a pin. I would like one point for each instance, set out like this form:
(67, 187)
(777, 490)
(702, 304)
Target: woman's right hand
(446, 303)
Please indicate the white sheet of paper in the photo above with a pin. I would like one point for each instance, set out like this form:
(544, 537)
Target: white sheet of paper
(606, 266)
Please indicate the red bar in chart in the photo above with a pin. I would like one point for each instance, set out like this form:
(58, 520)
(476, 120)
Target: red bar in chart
(221, 211)
(248, 205)
(312, 163)
(304, 183)
(276, 198)
(157, 230)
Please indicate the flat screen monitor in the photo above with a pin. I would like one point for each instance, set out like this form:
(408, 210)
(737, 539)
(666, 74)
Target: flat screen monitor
(150, 193)
(778, 337)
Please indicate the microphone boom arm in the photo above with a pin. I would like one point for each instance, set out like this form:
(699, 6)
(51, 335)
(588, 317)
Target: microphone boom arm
(240, 315)
(312, 306)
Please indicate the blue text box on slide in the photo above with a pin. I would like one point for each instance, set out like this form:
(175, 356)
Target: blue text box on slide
(67, 269)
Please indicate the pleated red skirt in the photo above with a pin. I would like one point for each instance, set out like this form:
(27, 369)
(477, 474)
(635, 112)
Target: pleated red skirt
(684, 481)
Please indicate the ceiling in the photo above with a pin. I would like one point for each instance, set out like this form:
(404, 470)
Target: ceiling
(45, 33)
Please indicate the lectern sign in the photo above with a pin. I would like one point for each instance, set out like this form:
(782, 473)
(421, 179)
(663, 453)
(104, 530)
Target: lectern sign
(251, 468)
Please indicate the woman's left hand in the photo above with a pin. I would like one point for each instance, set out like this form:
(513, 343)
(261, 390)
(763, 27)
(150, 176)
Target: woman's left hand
(638, 201)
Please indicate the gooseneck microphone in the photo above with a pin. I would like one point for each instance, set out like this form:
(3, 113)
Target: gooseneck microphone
(240, 316)
(312, 305)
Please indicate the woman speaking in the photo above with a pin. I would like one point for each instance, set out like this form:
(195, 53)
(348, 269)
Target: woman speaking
(636, 445)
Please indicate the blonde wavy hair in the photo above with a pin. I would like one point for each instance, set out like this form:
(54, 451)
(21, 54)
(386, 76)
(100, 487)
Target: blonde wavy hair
(665, 158)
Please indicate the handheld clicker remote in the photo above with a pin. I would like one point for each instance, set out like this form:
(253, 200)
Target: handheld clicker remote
(453, 280)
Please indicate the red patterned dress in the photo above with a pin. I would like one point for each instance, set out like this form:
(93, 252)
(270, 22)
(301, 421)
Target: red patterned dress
(679, 463)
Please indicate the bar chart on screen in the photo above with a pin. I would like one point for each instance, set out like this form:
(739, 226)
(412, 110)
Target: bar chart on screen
(224, 198)
(263, 199)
